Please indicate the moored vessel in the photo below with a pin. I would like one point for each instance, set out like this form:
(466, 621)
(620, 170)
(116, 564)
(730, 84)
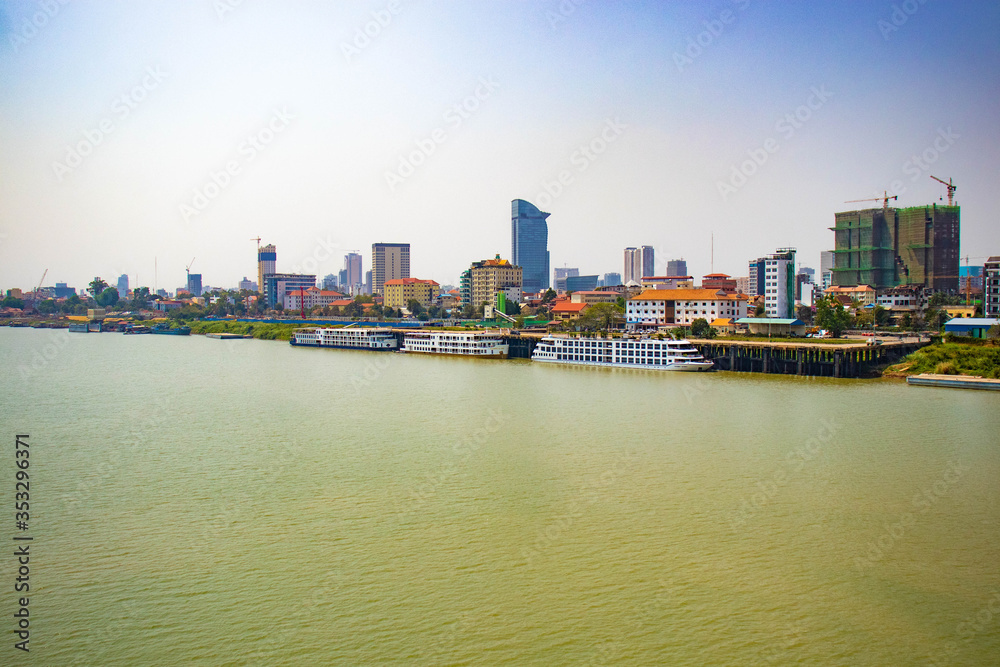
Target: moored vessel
(465, 343)
(345, 337)
(165, 329)
(631, 352)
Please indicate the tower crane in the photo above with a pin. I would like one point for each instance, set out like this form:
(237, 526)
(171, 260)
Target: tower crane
(35, 295)
(884, 199)
(951, 189)
(188, 268)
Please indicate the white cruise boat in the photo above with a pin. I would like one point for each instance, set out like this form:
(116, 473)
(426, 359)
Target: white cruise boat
(466, 343)
(345, 337)
(664, 355)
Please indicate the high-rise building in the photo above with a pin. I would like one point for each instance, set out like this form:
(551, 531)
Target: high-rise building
(886, 247)
(970, 277)
(368, 282)
(826, 268)
(267, 260)
(779, 283)
(529, 244)
(612, 279)
(561, 274)
(677, 267)
(490, 276)
(991, 287)
(194, 284)
(581, 283)
(390, 261)
(330, 282)
(743, 285)
(122, 286)
(756, 279)
(247, 284)
(355, 277)
(277, 285)
(639, 263)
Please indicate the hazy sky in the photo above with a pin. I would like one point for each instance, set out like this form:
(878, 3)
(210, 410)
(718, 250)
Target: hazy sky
(170, 130)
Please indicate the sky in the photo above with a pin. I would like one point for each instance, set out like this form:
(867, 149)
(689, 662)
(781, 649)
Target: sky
(141, 135)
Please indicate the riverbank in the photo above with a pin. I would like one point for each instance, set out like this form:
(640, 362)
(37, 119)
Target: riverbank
(951, 358)
(262, 331)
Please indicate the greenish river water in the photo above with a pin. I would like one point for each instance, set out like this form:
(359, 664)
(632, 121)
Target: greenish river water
(196, 501)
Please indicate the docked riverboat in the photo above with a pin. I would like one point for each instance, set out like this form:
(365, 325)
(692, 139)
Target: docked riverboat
(345, 337)
(465, 343)
(664, 355)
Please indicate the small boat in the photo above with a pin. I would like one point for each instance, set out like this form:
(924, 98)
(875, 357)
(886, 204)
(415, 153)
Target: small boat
(79, 327)
(138, 329)
(165, 329)
(95, 327)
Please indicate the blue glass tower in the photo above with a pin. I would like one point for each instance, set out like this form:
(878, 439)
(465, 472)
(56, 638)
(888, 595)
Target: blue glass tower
(529, 244)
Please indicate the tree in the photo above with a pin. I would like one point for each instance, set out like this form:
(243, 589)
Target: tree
(881, 316)
(512, 308)
(70, 305)
(700, 328)
(804, 313)
(47, 307)
(96, 287)
(601, 317)
(549, 295)
(140, 298)
(414, 307)
(364, 298)
(108, 297)
(831, 315)
(12, 302)
(353, 309)
(760, 311)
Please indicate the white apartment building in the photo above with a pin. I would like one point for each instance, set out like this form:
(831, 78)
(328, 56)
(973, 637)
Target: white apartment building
(656, 308)
(991, 287)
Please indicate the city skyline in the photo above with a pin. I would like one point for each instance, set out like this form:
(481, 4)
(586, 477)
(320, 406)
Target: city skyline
(134, 137)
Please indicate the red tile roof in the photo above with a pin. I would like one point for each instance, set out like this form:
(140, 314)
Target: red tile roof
(568, 307)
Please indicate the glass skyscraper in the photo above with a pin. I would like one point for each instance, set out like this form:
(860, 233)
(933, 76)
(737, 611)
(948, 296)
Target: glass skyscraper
(529, 244)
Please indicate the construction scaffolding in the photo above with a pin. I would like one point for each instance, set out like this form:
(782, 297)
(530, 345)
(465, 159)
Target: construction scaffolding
(886, 247)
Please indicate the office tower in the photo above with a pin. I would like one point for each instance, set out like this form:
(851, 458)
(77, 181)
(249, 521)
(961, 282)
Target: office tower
(330, 282)
(122, 286)
(247, 284)
(581, 283)
(390, 261)
(677, 267)
(194, 284)
(529, 244)
(368, 282)
(639, 263)
(885, 247)
(613, 279)
(355, 277)
(267, 258)
(561, 274)
(342, 281)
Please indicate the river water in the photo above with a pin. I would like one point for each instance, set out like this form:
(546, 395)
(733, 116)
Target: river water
(196, 501)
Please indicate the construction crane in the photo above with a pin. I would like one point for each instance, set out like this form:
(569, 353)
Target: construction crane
(951, 189)
(884, 199)
(35, 296)
(258, 243)
(188, 268)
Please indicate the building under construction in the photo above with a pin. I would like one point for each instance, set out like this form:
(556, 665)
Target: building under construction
(886, 247)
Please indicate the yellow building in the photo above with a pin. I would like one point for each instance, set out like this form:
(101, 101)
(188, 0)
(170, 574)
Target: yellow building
(495, 275)
(397, 293)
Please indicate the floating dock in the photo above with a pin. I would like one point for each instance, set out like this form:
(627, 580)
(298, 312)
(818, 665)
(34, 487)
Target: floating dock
(226, 336)
(953, 381)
